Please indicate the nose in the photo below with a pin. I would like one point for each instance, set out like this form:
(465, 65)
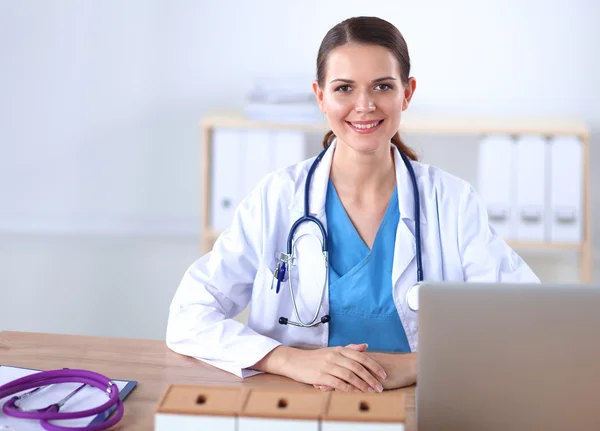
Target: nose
(364, 104)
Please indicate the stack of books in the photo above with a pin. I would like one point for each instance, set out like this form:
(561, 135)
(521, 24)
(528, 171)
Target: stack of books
(285, 100)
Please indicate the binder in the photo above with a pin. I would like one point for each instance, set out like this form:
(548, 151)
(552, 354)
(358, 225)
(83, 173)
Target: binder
(259, 157)
(365, 412)
(192, 408)
(279, 409)
(565, 215)
(227, 176)
(288, 147)
(531, 187)
(495, 178)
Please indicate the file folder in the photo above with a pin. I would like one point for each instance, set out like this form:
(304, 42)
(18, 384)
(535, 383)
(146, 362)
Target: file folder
(259, 157)
(288, 148)
(531, 188)
(227, 176)
(276, 409)
(495, 178)
(365, 412)
(565, 215)
(192, 408)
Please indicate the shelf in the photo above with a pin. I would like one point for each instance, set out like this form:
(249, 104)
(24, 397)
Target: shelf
(426, 124)
(212, 234)
(545, 245)
(433, 125)
(237, 120)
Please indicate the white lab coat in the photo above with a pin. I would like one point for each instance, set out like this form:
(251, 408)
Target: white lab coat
(458, 244)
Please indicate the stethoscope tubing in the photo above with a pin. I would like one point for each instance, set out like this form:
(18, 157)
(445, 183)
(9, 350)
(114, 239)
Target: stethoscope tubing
(309, 218)
(46, 378)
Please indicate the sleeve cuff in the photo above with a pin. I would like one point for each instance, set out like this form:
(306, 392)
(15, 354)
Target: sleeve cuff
(241, 368)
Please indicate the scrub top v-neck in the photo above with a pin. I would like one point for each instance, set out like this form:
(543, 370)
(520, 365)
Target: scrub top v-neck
(361, 305)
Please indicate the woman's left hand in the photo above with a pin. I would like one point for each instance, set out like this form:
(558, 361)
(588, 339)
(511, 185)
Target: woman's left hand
(401, 368)
(358, 348)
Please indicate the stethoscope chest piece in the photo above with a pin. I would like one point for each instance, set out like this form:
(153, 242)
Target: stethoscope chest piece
(412, 297)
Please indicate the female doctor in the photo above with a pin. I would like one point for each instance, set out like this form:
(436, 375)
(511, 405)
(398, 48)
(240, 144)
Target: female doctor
(374, 222)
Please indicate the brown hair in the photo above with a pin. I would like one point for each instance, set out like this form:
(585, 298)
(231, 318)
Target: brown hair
(368, 31)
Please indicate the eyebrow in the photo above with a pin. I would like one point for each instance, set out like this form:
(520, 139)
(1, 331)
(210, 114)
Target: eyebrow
(349, 81)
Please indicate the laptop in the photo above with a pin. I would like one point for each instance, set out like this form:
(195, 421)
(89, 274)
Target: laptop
(498, 357)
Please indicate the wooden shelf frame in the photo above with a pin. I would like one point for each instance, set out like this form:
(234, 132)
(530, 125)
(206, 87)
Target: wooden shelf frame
(427, 125)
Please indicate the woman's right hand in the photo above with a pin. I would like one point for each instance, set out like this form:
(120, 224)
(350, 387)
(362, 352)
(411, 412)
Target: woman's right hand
(340, 368)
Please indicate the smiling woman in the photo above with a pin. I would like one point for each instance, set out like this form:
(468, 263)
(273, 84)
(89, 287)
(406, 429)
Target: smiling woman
(384, 222)
(375, 52)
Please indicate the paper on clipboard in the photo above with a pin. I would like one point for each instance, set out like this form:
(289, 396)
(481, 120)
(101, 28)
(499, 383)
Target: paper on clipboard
(85, 399)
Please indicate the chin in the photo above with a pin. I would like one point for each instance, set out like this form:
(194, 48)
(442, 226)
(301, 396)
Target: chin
(366, 143)
(363, 145)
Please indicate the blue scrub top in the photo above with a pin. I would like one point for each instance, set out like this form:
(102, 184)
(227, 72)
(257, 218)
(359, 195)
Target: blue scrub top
(361, 305)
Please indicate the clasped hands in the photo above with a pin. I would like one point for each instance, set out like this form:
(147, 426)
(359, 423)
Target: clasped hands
(342, 368)
(353, 369)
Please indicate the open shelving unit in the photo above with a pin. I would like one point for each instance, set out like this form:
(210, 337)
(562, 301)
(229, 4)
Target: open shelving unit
(426, 125)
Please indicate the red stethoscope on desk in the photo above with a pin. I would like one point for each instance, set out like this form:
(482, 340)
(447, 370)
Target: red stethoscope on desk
(38, 381)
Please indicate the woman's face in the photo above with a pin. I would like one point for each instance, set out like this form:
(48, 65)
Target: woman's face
(363, 96)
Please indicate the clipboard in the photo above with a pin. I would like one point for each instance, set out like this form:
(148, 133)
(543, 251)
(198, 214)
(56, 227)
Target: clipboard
(80, 401)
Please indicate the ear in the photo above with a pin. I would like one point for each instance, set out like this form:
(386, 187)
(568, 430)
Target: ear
(319, 95)
(409, 91)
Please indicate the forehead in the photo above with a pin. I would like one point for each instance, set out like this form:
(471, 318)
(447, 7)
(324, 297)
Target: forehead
(361, 62)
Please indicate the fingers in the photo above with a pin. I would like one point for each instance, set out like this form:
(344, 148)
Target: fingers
(366, 361)
(324, 388)
(354, 374)
(349, 369)
(358, 347)
(333, 383)
(357, 369)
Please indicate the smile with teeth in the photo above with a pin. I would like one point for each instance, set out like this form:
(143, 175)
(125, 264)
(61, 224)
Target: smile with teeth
(365, 127)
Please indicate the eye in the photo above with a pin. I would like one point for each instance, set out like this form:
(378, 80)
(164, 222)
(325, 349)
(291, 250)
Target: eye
(384, 87)
(343, 88)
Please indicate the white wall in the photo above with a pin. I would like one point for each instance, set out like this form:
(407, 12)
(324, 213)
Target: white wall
(100, 100)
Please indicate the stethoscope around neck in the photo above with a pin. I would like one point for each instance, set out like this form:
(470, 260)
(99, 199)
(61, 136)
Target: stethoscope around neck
(287, 260)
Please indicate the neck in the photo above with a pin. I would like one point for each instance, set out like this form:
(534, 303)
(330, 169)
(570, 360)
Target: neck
(362, 175)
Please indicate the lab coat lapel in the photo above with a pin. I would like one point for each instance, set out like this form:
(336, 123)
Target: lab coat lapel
(405, 247)
(317, 190)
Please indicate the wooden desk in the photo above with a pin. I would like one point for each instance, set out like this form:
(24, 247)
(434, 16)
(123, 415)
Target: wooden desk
(149, 362)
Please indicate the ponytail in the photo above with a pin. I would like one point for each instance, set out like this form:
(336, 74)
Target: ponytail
(396, 140)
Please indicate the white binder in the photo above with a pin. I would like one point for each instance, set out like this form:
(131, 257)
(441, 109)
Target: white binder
(365, 412)
(259, 157)
(192, 408)
(289, 148)
(565, 215)
(277, 410)
(496, 154)
(227, 175)
(531, 188)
